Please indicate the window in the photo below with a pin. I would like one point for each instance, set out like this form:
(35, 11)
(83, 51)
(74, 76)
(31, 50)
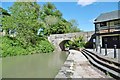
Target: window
(103, 24)
(97, 26)
(105, 39)
(115, 38)
(112, 23)
(117, 23)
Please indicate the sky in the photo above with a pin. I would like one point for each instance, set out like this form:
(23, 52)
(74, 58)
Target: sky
(83, 12)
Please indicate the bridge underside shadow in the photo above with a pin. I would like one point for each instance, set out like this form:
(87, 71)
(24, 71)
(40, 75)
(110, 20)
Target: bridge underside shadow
(61, 45)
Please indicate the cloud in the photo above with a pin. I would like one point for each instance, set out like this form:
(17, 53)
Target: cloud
(86, 2)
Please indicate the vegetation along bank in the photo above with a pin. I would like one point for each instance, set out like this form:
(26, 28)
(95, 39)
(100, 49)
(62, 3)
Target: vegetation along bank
(26, 26)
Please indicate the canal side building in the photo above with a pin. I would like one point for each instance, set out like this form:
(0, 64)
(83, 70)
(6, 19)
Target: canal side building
(107, 29)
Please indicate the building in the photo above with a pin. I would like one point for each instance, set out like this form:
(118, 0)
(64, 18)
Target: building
(107, 29)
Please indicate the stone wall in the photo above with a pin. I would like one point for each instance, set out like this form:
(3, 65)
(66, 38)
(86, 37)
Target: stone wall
(56, 39)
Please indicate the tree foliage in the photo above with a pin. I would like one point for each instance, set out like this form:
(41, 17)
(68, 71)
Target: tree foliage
(74, 26)
(55, 23)
(23, 19)
(3, 11)
(78, 42)
(28, 17)
(26, 20)
(10, 47)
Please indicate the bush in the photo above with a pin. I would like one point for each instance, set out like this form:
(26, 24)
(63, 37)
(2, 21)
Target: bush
(13, 47)
(76, 43)
(45, 46)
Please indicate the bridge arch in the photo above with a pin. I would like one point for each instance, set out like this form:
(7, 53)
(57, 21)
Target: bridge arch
(59, 39)
(62, 43)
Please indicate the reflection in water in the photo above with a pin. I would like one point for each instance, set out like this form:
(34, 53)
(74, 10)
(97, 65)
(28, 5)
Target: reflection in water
(44, 65)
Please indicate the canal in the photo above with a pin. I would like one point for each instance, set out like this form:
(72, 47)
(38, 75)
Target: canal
(44, 65)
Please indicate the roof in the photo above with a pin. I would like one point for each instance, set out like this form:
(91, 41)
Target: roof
(108, 16)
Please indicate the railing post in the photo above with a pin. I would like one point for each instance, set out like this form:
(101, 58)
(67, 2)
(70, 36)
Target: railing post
(115, 46)
(105, 49)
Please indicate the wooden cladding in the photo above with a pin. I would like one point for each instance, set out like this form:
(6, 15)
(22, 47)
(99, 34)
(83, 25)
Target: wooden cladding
(107, 30)
(108, 26)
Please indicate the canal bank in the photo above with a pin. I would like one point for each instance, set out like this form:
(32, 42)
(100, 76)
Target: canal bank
(77, 66)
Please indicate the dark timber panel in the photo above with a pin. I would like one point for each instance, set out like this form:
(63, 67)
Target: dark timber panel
(111, 41)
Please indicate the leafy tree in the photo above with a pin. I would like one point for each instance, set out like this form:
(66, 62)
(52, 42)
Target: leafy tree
(74, 26)
(78, 42)
(31, 23)
(52, 17)
(3, 11)
(23, 19)
(51, 20)
(49, 9)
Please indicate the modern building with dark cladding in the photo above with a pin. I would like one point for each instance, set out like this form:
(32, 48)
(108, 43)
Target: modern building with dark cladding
(107, 29)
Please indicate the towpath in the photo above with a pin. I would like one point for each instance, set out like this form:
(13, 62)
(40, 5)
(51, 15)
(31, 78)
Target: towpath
(78, 66)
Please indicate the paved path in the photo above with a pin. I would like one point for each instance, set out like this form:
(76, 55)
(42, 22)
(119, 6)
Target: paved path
(110, 53)
(81, 68)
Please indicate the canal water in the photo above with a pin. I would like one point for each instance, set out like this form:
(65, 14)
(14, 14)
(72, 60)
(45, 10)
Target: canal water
(44, 65)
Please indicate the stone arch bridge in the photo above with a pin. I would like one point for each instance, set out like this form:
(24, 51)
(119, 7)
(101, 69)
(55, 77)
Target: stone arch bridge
(58, 40)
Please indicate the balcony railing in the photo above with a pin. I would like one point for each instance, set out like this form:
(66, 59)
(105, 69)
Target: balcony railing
(111, 27)
(106, 29)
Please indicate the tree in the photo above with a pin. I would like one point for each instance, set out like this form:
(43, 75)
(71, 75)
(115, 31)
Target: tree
(52, 17)
(74, 26)
(51, 20)
(78, 42)
(24, 19)
(3, 12)
(49, 9)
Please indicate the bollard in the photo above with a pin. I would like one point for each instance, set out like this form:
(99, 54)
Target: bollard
(115, 46)
(93, 47)
(100, 49)
(105, 49)
(96, 48)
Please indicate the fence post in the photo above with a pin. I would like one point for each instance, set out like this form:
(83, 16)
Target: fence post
(105, 49)
(115, 46)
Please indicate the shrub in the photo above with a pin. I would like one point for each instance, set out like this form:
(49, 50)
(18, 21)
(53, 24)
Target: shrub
(13, 47)
(76, 43)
